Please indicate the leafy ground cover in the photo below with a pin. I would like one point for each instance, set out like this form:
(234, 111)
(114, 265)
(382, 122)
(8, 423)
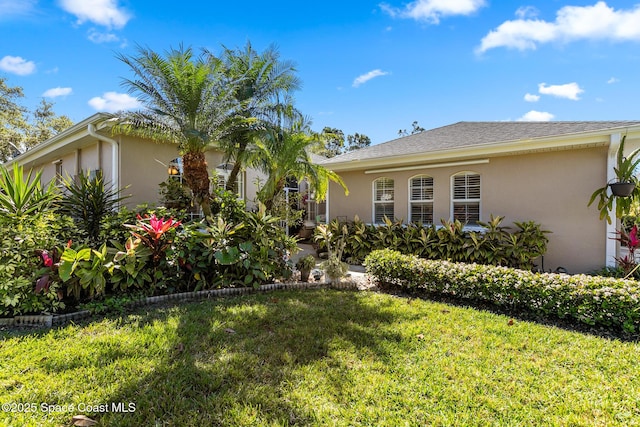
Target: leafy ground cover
(320, 357)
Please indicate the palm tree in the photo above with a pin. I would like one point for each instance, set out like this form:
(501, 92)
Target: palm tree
(262, 93)
(283, 154)
(187, 100)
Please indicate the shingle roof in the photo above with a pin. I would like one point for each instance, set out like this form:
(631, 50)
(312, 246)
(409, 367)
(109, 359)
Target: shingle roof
(470, 134)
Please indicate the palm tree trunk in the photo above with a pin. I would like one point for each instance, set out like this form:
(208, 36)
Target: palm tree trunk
(196, 176)
(233, 175)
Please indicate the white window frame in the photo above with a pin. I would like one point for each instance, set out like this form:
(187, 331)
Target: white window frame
(421, 200)
(467, 199)
(387, 197)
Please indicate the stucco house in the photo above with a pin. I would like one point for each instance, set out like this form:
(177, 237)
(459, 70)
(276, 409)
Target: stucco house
(539, 171)
(140, 164)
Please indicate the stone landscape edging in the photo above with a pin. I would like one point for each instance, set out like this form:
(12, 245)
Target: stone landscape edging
(49, 320)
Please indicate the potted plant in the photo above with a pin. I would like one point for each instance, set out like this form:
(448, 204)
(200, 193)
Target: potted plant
(625, 187)
(305, 265)
(333, 267)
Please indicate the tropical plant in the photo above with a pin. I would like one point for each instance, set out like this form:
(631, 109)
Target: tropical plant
(131, 265)
(187, 101)
(494, 244)
(333, 267)
(305, 265)
(625, 171)
(88, 200)
(262, 87)
(85, 270)
(631, 241)
(283, 154)
(22, 196)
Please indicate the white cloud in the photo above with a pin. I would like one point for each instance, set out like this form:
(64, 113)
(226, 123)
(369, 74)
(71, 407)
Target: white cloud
(527, 12)
(569, 90)
(57, 91)
(368, 76)
(98, 37)
(529, 97)
(106, 13)
(597, 22)
(17, 65)
(613, 80)
(536, 116)
(432, 10)
(12, 8)
(111, 102)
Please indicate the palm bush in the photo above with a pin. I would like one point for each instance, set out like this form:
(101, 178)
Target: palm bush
(88, 199)
(22, 196)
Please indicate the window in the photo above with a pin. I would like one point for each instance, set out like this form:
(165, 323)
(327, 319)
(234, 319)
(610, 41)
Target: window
(383, 199)
(421, 199)
(59, 177)
(175, 169)
(466, 197)
(222, 176)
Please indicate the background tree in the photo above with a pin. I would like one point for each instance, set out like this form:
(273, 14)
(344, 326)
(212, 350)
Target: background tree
(358, 141)
(17, 132)
(331, 142)
(46, 124)
(416, 129)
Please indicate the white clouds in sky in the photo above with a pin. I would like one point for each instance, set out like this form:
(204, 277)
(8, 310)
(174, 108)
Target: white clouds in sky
(536, 116)
(57, 91)
(12, 8)
(432, 10)
(106, 13)
(360, 80)
(98, 37)
(17, 65)
(112, 102)
(597, 22)
(568, 91)
(613, 80)
(529, 97)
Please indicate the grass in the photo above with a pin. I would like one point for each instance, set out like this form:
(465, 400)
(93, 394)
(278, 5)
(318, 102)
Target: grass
(325, 358)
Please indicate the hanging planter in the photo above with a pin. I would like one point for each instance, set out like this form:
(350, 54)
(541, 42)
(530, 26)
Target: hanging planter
(622, 189)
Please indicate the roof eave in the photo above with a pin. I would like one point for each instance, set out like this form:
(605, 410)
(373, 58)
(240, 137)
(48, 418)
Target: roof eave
(59, 140)
(561, 142)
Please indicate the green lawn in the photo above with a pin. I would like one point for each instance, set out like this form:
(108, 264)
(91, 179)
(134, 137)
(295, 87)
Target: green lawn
(325, 357)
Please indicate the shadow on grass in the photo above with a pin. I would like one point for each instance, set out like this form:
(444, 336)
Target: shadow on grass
(236, 361)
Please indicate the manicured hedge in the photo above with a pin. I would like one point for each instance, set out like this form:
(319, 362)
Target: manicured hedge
(594, 300)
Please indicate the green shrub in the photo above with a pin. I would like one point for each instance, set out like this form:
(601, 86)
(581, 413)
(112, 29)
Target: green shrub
(592, 300)
(495, 245)
(250, 252)
(27, 284)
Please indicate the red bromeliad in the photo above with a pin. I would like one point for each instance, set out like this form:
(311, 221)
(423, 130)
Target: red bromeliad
(151, 230)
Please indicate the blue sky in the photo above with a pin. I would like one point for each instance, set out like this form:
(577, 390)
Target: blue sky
(367, 66)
